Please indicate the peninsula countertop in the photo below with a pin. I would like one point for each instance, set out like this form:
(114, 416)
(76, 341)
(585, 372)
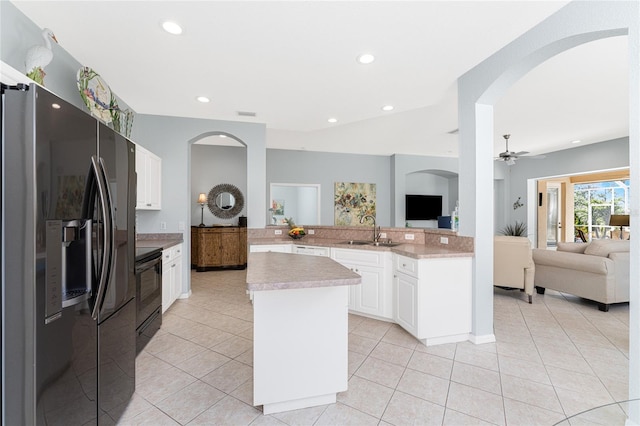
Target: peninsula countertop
(280, 271)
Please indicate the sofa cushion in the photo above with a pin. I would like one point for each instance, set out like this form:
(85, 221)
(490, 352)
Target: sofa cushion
(604, 247)
(572, 247)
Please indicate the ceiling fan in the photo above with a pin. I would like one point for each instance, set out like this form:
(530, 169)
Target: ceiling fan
(510, 157)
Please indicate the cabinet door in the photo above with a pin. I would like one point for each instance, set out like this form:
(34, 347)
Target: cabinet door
(176, 284)
(166, 286)
(154, 181)
(406, 301)
(141, 173)
(229, 248)
(371, 300)
(210, 253)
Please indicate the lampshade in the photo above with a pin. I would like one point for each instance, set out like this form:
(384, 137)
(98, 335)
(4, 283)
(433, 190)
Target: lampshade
(202, 198)
(619, 220)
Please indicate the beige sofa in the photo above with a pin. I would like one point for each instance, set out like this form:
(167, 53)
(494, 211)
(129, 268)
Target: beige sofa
(598, 270)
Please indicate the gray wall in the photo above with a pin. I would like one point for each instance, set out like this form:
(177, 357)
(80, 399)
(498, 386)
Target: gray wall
(594, 157)
(210, 166)
(284, 166)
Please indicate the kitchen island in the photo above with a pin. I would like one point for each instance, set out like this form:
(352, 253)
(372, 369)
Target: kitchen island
(300, 330)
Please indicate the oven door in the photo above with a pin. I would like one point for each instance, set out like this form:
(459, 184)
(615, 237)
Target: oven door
(148, 288)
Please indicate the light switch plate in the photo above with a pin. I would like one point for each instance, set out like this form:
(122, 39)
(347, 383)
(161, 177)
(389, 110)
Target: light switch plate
(278, 231)
(163, 225)
(444, 240)
(383, 235)
(409, 237)
(312, 231)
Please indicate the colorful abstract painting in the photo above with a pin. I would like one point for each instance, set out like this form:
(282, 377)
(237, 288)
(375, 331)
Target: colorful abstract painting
(352, 201)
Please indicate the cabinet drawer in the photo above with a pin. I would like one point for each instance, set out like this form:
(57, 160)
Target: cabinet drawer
(406, 265)
(360, 257)
(171, 253)
(220, 230)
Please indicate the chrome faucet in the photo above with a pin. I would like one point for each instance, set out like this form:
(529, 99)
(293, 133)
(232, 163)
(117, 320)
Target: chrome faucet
(376, 234)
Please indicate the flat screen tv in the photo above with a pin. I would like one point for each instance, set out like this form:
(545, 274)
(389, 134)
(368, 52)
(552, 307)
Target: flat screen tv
(423, 207)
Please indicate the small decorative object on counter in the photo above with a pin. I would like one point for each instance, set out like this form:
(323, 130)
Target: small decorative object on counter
(295, 232)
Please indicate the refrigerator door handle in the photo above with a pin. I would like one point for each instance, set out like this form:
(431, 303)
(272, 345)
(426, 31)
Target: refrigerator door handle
(112, 220)
(106, 252)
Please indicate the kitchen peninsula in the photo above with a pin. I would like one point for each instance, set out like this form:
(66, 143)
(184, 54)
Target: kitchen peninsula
(300, 329)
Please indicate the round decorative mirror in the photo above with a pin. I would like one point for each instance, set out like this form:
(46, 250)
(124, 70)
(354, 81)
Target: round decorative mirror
(225, 201)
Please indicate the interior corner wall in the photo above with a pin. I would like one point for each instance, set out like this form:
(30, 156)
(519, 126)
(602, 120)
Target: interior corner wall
(18, 33)
(403, 165)
(171, 139)
(327, 168)
(212, 165)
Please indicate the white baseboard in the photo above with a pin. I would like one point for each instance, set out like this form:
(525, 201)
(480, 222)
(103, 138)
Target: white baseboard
(479, 340)
(185, 295)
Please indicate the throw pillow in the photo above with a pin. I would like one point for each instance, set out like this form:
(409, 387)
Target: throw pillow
(604, 247)
(573, 247)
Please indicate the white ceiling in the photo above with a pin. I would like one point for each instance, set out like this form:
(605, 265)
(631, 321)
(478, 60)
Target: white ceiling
(294, 65)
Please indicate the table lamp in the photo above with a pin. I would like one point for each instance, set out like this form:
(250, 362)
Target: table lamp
(619, 220)
(202, 200)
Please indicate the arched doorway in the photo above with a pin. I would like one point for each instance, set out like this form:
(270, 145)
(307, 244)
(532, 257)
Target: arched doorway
(479, 89)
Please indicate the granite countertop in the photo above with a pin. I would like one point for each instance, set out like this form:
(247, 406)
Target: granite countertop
(416, 251)
(280, 271)
(163, 241)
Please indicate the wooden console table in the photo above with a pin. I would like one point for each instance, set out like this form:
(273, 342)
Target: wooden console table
(217, 247)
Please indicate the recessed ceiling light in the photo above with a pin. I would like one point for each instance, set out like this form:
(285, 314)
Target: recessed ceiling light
(366, 58)
(332, 120)
(172, 27)
(387, 108)
(576, 141)
(55, 106)
(203, 99)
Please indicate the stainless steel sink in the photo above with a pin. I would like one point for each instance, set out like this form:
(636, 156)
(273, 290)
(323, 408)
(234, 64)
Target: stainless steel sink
(384, 244)
(370, 243)
(357, 243)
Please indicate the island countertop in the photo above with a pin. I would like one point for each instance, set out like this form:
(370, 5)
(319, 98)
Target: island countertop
(279, 271)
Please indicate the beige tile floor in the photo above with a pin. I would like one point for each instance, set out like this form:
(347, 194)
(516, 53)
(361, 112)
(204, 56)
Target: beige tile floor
(554, 358)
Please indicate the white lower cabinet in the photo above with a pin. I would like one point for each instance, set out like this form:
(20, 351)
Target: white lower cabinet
(432, 298)
(171, 275)
(373, 296)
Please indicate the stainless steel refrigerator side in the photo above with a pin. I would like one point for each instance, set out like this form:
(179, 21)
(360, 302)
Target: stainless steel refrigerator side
(18, 278)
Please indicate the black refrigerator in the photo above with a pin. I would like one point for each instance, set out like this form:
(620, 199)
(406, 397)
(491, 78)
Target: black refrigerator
(68, 252)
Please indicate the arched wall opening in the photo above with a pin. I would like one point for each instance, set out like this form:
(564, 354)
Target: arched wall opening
(216, 157)
(479, 89)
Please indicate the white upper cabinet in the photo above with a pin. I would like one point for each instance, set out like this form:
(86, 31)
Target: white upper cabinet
(149, 171)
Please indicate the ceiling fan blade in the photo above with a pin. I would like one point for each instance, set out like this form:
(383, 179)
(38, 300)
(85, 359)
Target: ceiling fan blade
(520, 153)
(536, 157)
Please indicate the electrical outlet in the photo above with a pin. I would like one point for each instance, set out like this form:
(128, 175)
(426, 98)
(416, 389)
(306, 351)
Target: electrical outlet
(383, 235)
(409, 236)
(312, 231)
(278, 231)
(444, 240)
(180, 226)
(163, 225)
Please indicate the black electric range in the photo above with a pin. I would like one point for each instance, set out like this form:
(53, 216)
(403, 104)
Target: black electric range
(144, 253)
(148, 293)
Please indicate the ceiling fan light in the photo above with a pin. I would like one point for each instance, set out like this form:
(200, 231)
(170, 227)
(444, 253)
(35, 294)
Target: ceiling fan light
(511, 162)
(366, 58)
(172, 27)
